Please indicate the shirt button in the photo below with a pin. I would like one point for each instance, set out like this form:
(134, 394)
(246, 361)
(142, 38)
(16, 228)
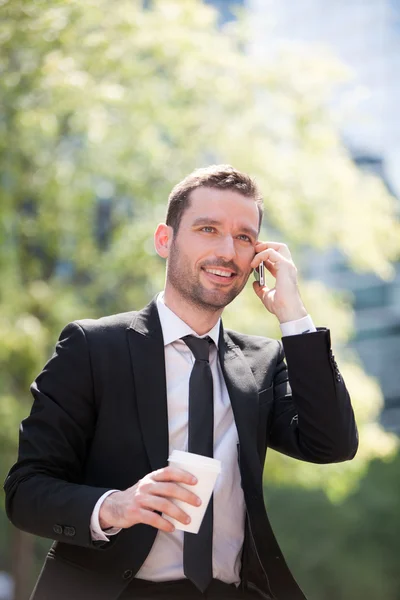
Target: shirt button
(127, 574)
(57, 529)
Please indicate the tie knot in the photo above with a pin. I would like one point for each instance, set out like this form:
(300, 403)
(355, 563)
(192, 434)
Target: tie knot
(199, 346)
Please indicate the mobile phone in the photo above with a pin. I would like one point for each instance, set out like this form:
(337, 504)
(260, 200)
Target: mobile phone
(259, 274)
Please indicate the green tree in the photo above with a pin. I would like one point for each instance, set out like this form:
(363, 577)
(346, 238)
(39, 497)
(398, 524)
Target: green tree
(102, 111)
(347, 551)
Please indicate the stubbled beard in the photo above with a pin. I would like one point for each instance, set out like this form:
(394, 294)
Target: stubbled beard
(188, 284)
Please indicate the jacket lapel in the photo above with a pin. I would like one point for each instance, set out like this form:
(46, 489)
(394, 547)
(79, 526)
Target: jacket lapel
(243, 394)
(148, 363)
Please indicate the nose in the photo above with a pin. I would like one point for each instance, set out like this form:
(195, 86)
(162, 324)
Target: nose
(226, 247)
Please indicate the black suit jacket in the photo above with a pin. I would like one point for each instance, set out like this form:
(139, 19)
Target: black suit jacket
(99, 421)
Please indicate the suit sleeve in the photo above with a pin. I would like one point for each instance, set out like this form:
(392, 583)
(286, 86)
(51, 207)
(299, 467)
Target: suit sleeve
(312, 418)
(44, 493)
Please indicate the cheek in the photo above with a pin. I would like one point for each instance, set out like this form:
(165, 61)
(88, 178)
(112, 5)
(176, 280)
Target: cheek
(246, 255)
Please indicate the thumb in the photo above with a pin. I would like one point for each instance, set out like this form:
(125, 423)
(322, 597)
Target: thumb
(259, 289)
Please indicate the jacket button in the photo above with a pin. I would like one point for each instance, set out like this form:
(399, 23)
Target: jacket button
(57, 529)
(127, 574)
(69, 531)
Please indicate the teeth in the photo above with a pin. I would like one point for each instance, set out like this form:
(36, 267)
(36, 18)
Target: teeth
(218, 272)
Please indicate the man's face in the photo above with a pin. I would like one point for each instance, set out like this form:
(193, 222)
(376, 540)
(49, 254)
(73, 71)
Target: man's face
(210, 255)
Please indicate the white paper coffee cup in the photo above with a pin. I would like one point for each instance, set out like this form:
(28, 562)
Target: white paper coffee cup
(206, 470)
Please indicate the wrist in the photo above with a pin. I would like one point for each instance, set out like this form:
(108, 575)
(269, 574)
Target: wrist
(291, 314)
(107, 512)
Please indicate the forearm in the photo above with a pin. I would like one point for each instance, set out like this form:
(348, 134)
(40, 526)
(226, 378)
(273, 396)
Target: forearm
(316, 423)
(51, 508)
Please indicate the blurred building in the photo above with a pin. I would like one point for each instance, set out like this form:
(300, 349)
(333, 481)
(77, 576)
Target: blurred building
(226, 8)
(365, 34)
(6, 586)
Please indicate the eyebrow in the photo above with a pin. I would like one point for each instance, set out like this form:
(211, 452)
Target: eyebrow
(208, 221)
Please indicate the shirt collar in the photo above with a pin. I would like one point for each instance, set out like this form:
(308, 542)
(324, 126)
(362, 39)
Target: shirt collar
(173, 328)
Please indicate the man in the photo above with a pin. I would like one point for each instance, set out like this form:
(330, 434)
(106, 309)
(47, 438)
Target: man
(123, 391)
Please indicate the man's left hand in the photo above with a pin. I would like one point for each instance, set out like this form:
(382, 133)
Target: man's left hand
(283, 300)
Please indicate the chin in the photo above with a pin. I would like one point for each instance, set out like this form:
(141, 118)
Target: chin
(217, 300)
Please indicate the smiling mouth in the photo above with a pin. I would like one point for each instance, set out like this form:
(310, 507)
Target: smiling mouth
(219, 273)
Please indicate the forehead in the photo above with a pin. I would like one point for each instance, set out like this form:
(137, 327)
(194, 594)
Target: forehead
(221, 205)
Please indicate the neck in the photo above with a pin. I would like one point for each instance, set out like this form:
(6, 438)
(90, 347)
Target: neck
(198, 318)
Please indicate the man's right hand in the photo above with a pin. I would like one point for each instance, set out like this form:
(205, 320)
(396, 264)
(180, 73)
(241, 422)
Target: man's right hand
(139, 503)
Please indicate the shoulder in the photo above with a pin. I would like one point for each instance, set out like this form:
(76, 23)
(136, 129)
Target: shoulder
(103, 327)
(120, 321)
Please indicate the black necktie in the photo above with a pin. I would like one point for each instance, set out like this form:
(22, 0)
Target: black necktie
(197, 547)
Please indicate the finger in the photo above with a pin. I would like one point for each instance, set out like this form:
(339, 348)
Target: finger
(259, 289)
(268, 255)
(173, 490)
(278, 246)
(271, 267)
(163, 505)
(174, 474)
(148, 517)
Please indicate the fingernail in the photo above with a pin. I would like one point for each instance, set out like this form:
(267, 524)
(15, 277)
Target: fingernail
(187, 520)
(198, 501)
(194, 480)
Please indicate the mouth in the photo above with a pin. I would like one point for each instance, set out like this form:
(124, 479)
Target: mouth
(219, 275)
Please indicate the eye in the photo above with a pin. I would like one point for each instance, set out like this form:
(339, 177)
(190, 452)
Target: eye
(244, 237)
(208, 229)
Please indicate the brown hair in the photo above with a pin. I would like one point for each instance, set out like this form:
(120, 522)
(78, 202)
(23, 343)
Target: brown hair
(223, 177)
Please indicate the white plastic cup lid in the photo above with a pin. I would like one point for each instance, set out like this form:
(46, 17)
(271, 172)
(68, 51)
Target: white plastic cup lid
(178, 456)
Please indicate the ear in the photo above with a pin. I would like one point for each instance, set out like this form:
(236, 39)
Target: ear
(162, 239)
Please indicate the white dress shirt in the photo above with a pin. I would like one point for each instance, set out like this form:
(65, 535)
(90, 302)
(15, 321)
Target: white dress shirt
(165, 560)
